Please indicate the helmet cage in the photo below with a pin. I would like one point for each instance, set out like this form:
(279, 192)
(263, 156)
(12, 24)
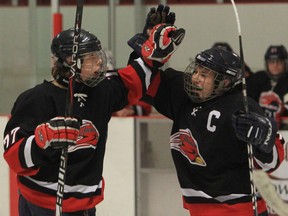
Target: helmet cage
(219, 86)
(93, 77)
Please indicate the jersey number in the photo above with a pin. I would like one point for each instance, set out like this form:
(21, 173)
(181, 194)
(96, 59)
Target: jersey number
(10, 138)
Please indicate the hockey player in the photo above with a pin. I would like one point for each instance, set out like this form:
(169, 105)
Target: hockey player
(269, 87)
(210, 133)
(38, 128)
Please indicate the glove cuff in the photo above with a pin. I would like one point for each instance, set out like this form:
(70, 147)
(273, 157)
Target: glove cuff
(136, 42)
(269, 141)
(41, 136)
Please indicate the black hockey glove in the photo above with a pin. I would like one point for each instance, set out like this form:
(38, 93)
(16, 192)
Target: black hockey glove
(159, 47)
(59, 132)
(253, 128)
(157, 16)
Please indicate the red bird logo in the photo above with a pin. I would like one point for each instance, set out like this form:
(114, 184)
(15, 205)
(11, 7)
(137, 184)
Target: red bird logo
(184, 142)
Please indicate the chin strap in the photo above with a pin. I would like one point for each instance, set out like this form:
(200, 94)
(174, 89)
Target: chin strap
(63, 81)
(63, 69)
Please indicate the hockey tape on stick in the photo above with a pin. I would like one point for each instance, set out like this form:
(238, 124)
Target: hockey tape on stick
(245, 100)
(269, 194)
(69, 106)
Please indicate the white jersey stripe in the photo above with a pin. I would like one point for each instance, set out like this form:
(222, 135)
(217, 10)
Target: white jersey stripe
(27, 152)
(67, 189)
(194, 193)
(146, 70)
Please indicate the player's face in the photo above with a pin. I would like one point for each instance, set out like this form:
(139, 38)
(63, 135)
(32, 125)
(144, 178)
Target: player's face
(276, 66)
(91, 66)
(203, 82)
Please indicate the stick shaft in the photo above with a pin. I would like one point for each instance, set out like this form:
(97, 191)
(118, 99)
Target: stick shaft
(69, 106)
(246, 107)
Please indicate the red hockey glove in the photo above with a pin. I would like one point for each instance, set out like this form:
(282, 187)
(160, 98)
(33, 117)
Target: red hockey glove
(159, 47)
(58, 133)
(253, 128)
(157, 16)
(161, 15)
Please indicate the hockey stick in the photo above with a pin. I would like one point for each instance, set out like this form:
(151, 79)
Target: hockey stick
(69, 106)
(245, 100)
(268, 192)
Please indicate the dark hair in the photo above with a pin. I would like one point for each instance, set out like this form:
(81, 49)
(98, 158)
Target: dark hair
(223, 45)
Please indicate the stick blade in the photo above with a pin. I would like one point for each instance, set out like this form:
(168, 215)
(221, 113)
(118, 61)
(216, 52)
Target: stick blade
(268, 192)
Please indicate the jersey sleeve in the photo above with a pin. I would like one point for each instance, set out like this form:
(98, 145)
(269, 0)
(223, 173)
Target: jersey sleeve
(136, 78)
(166, 92)
(20, 150)
(269, 162)
(162, 89)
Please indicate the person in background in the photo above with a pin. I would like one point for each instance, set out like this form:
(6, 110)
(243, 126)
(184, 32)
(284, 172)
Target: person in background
(211, 130)
(39, 127)
(140, 108)
(269, 87)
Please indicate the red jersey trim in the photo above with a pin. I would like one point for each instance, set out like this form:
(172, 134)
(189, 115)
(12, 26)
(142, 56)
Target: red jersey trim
(132, 82)
(209, 209)
(11, 156)
(153, 88)
(69, 205)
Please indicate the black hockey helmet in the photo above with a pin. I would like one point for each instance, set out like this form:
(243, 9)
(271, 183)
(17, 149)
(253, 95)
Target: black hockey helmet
(61, 48)
(276, 52)
(224, 64)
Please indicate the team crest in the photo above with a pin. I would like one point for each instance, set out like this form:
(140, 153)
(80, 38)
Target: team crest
(184, 142)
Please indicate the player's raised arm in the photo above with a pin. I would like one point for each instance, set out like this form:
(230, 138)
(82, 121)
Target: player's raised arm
(151, 50)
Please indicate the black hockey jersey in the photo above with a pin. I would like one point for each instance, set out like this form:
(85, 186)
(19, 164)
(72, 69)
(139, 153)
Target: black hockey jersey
(271, 95)
(211, 163)
(37, 169)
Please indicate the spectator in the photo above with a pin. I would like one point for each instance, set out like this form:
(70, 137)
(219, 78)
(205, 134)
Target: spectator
(269, 87)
